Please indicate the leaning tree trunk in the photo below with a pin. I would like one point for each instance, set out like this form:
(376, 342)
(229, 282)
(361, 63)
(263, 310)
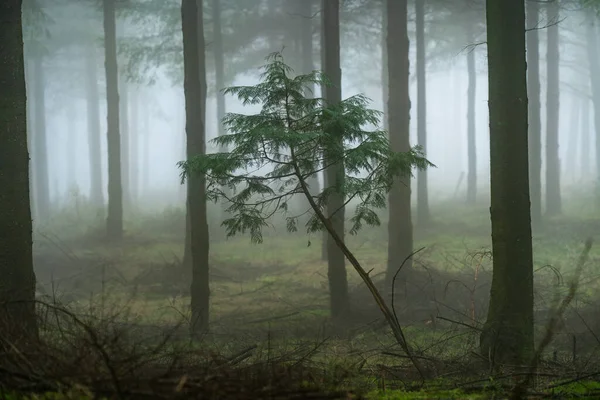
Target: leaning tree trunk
(400, 242)
(40, 143)
(535, 124)
(423, 215)
(114, 219)
(553, 198)
(93, 122)
(507, 336)
(195, 106)
(17, 278)
(336, 262)
(471, 133)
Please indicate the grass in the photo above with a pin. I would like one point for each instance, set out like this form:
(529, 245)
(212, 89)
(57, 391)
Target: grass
(274, 295)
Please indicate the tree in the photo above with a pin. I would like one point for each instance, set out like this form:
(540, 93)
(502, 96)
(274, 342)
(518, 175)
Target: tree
(400, 232)
(471, 132)
(594, 66)
(423, 215)
(336, 265)
(289, 137)
(17, 278)
(535, 124)
(194, 86)
(553, 198)
(114, 218)
(93, 120)
(507, 335)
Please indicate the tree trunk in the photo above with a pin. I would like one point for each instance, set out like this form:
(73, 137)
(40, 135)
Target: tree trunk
(400, 233)
(471, 133)
(336, 263)
(325, 240)
(17, 278)
(124, 130)
(30, 133)
(71, 150)
(535, 124)
(585, 138)
(385, 84)
(573, 140)
(507, 336)
(114, 219)
(40, 143)
(134, 149)
(195, 106)
(553, 198)
(594, 63)
(93, 120)
(423, 215)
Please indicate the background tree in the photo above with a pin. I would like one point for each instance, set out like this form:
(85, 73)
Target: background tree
(553, 196)
(195, 107)
(17, 279)
(508, 332)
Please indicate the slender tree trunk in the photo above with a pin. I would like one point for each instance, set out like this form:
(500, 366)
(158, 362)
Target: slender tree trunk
(145, 178)
(535, 124)
(71, 150)
(336, 262)
(585, 138)
(507, 336)
(553, 198)
(195, 105)
(40, 144)
(471, 133)
(400, 242)
(594, 63)
(17, 279)
(573, 143)
(93, 121)
(423, 215)
(385, 84)
(134, 150)
(114, 219)
(124, 130)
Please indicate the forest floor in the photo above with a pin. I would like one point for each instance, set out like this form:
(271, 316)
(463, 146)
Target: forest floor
(269, 302)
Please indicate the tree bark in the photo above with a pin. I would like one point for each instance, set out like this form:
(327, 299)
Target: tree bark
(471, 133)
(594, 66)
(423, 215)
(400, 232)
(93, 121)
(336, 263)
(195, 106)
(385, 84)
(507, 336)
(535, 124)
(114, 219)
(40, 142)
(553, 198)
(17, 279)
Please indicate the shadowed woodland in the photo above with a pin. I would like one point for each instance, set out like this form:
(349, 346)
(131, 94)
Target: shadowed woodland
(299, 199)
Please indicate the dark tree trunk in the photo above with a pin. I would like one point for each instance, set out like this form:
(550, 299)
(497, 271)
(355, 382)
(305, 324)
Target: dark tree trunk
(114, 219)
(585, 138)
(336, 262)
(471, 133)
(40, 145)
(535, 124)
(17, 279)
(30, 134)
(400, 242)
(508, 332)
(195, 106)
(124, 130)
(594, 63)
(423, 215)
(93, 121)
(553, 198)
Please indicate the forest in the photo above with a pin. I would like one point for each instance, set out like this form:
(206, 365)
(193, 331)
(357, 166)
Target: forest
(299, 199)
